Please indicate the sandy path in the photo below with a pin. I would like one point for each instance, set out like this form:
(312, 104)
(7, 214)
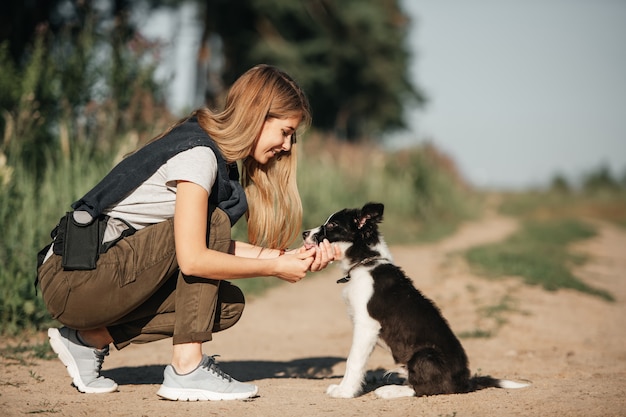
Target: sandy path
(292, 342)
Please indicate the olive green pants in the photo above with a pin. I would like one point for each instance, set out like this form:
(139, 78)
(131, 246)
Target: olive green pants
(139, 294)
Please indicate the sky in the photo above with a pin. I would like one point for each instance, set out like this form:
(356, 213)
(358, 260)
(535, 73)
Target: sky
(520, 90)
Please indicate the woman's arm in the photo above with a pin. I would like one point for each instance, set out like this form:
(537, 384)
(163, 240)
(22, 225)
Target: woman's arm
(248, 250)
(195, 259)
(324, 254)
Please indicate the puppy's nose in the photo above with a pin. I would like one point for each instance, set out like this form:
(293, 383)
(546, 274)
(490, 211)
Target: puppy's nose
(305, 234)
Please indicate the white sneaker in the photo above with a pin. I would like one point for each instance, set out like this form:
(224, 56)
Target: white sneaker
(83, 362)
(205, 383)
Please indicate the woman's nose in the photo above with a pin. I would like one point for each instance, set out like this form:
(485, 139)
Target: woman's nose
(287, 144)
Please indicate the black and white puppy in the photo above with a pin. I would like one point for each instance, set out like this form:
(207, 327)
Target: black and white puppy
(382, 302)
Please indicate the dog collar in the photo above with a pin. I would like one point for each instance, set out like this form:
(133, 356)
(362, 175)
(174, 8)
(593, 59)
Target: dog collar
(347, 277)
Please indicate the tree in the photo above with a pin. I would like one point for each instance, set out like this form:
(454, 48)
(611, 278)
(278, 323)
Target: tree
(600, 179)
(74, 70)
(349, 55)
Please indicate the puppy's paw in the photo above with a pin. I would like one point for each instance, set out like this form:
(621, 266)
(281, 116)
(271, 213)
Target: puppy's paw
(340, 391)
(394, 391)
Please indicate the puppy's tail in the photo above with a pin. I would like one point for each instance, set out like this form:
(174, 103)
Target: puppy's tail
(482, 382)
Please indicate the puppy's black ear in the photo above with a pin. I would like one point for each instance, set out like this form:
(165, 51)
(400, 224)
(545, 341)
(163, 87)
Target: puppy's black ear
(371, 211)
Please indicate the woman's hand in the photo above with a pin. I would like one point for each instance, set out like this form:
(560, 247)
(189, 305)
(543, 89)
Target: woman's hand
(325, 253)
(293, 265)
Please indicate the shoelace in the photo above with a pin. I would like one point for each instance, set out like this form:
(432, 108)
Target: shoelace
(212, 366)
(100, 354)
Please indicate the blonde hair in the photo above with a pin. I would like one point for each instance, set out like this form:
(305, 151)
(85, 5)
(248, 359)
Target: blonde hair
(274, 205)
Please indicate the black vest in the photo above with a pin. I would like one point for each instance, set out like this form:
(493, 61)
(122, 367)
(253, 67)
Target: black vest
(227, 192)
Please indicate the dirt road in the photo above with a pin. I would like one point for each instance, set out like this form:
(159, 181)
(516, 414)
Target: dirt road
(293, 341)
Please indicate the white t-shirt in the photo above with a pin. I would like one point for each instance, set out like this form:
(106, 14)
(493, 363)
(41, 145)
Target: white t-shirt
(154, 200)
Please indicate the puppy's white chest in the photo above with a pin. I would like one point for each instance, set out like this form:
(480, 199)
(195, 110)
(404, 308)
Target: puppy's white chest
(358, 292)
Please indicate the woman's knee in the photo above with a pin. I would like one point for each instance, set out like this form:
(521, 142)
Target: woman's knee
(231, 303)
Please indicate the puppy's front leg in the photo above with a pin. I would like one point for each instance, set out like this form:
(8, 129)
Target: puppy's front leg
(364, 339)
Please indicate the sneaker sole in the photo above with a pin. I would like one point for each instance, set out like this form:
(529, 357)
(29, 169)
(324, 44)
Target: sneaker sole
(68, 360)
(181, 394)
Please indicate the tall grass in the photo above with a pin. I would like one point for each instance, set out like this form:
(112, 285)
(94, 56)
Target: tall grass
(608, 205)
(424, 196)
(29, 209)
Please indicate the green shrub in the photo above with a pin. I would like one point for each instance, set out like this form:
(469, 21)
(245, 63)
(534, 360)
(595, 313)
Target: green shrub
(423, 195)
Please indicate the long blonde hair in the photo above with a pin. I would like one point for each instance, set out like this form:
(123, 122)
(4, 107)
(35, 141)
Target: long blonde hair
(274, 205)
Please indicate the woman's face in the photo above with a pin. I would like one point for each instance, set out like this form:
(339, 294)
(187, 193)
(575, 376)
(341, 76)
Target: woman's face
(276, 135)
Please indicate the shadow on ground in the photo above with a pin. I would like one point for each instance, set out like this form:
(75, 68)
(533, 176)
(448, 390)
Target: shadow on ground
(307, 368)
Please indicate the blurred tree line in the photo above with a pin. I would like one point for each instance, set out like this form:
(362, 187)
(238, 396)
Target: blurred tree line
(597, 180)
(71, 73)
(78, 70)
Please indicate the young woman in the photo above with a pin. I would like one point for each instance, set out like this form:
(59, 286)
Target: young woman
(146, 253)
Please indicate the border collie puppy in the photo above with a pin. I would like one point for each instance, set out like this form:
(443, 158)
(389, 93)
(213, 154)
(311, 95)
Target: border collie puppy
(382, 302)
